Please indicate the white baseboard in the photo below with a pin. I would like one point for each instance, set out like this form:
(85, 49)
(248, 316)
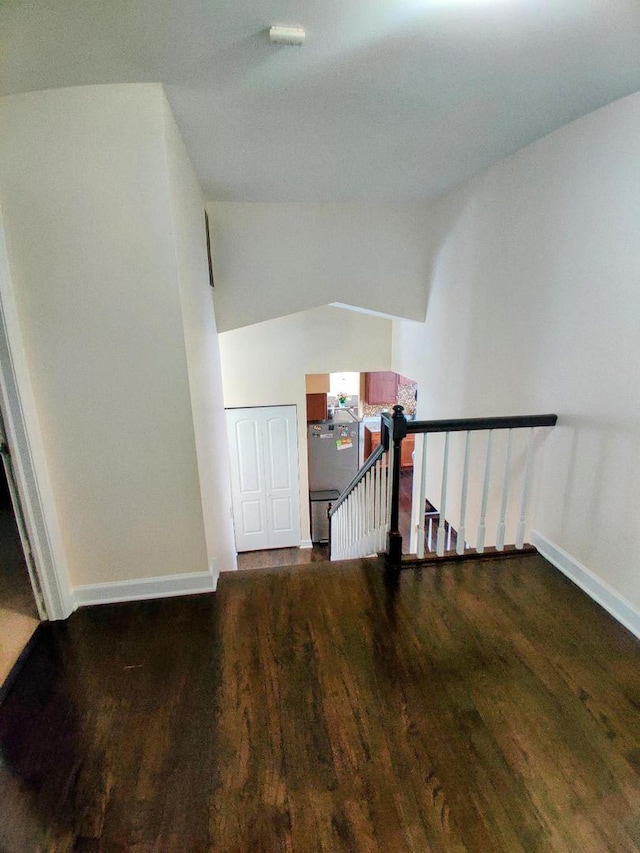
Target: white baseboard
(306, 543)
(142, 589)
(214, 571)
(596, 588)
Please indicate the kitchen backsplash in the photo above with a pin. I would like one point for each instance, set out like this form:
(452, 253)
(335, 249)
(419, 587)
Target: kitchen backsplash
(406, 398)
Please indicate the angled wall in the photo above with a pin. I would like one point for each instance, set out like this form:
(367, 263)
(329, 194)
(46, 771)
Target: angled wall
(534, 306)
(277, 259)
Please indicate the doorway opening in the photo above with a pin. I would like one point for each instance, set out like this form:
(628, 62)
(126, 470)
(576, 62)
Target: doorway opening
(19, 615)
(343, 429)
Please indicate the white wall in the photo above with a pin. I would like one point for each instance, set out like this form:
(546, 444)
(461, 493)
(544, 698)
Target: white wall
(534, 306)
(277, 259)
(202, 349)
(87, 213)
(265, 364)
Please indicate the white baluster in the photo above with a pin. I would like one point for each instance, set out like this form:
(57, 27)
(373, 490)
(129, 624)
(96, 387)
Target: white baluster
(423, 497)
(365, 509)
(371, 511)
(443, 498)
(463, 497)
(383, 495)
(374, 506)
(332, 534)
(482, 528)
(357, 532)
(360, 518)
(525, 491)
(335, 535)
(345, 533)
(367, 505)
(356, 521)
(345, 527)
(384, 470)
(376, 495)
(378, 502)
(362, 488)
(505, 496)
(374, 525)
(353, 526)
(389, 483)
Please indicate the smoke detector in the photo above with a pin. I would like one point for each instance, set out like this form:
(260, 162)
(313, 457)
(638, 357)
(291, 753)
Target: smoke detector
(287, 35)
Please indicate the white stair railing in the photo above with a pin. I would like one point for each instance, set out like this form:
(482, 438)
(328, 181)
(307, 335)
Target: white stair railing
(465, 457)
(359, 521)
(489, 470)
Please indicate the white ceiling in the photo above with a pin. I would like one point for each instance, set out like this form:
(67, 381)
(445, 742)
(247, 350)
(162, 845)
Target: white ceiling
(387, 100)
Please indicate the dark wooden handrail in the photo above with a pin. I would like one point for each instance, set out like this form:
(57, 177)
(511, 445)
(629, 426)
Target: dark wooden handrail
(469, 424)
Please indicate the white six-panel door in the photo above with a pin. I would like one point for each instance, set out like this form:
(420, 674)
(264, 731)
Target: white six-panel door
(263, 450)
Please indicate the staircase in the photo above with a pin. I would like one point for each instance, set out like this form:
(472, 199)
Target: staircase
(471, 489)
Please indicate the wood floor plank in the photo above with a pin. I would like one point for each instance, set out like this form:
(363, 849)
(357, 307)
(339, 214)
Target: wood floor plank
(477, 706)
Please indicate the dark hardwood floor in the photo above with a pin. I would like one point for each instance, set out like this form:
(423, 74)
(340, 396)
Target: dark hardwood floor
(470, 706)
(273, 558)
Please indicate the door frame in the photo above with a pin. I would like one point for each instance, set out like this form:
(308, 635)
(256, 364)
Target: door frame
(19, 517)
(24, 438)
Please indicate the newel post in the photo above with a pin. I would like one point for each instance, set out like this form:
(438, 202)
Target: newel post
(394, 538)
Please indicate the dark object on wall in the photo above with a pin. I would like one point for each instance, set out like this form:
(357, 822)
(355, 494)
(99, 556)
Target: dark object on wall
(206, 228)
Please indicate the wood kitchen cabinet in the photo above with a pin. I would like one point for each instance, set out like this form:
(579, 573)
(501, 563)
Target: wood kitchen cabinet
(316, 407)
(406, 454)
(372, 440)
(381, 387)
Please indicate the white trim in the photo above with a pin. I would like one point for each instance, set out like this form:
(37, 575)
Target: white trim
(141, 589)
(596, 588)
(28, 455)
(306, 543)
(214, 571)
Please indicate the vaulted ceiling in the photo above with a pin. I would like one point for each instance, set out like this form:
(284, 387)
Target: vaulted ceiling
(386, 100)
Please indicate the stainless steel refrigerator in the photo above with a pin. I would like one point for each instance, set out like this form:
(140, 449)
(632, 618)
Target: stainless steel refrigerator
(333, 462)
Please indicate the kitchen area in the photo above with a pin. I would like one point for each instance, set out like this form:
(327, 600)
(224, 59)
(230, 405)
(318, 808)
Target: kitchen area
(343, 428)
